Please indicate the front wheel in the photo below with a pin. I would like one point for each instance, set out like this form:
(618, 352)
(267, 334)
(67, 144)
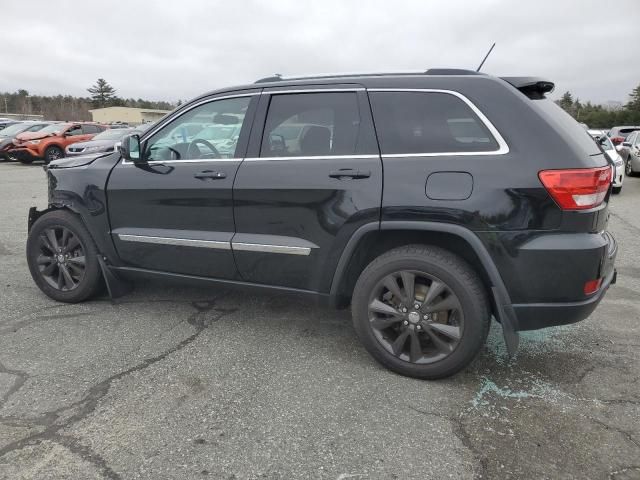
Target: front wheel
(628, 170)
(421, 311)
(62, 257)
(53, 153)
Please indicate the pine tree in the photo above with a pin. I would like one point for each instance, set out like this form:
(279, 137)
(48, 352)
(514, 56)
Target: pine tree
(634, 100)
(566, 102)
(102, 94)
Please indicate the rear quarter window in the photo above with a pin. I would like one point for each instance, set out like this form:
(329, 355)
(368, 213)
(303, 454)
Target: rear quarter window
(428, 122)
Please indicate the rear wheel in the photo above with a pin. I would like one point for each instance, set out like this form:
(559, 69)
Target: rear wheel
(62, 257)
(421, 311)
(53, 153)
(616, 190)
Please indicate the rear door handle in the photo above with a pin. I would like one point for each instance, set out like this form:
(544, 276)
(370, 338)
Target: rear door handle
(210, 174)
(349, 173)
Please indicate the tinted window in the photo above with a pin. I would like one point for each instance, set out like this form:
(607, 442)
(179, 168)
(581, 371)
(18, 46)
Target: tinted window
(563, 123)
(77, 130)
(311, 124)
(425, 122)
(87, 129)
(206, 132)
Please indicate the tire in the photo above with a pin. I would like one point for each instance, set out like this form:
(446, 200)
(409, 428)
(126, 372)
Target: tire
(616, 190)
(628, 170)
(53, 153)
(26, 161)
(77, 286)
(427, 264)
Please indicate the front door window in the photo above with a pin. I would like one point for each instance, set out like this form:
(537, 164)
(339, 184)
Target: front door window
(209, 131)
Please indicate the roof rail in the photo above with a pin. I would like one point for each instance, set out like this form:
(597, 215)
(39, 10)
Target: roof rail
(451, 71)
(432, 71)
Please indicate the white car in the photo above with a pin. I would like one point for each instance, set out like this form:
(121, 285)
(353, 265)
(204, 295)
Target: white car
(605, 142)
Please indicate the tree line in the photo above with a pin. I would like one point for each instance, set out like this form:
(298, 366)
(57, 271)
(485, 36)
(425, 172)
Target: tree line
(68, 107)
(599, 116)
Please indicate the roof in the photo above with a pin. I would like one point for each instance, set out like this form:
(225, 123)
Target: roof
(145, 110)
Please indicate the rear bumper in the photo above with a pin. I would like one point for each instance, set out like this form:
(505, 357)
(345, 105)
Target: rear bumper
(532, 316)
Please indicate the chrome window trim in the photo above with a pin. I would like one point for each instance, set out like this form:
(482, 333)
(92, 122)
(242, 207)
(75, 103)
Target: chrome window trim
(195, 160)
(503, 147)
(318, 157)
(183, 242)
(257, 247)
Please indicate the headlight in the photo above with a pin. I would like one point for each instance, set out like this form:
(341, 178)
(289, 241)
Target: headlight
(34, 142)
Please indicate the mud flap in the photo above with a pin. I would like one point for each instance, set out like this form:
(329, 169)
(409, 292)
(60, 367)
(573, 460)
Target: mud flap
(509, 323)
(116, 286)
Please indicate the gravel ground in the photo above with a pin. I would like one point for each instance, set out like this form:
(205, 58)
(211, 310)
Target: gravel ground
(184, 382)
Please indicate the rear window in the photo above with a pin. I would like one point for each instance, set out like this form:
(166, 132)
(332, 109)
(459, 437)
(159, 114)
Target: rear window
(428, 122)
(625, 132)
(566, 125)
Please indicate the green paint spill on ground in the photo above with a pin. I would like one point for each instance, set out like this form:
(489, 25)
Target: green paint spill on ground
(528, 387)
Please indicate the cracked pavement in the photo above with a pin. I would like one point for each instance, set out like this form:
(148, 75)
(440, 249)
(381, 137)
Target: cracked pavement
(189, 382)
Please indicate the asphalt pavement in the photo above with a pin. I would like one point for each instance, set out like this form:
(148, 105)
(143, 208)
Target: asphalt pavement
(185, 383)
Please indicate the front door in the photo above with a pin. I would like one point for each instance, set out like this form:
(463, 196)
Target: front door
(312, 176)
(174, 212)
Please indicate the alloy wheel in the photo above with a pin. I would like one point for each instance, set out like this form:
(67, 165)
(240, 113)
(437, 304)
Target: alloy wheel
(416, 317)
(61, 258)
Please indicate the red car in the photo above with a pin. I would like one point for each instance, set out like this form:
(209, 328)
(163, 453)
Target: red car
(49, 143)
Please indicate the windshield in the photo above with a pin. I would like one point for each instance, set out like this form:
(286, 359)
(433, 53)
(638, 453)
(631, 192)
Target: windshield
(13, 129)
(116, 134)
(55, 128)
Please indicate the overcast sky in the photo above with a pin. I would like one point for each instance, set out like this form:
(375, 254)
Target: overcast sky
(169, 50)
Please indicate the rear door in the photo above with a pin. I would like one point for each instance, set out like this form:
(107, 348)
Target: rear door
(174, 213)
(312, 176)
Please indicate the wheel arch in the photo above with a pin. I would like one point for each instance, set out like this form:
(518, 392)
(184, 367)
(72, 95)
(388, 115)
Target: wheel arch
(373, 239)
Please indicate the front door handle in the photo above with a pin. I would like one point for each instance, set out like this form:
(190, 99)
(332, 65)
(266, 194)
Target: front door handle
(210, 174)
(349, 173)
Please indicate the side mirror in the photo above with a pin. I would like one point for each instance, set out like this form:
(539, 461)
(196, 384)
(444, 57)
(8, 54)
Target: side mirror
(130, 148)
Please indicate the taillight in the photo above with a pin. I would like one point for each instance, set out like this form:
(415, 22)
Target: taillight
(577, 189)
(592, 286)
(617, 140)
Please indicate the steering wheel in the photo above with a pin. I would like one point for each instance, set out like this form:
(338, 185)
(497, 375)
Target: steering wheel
(193, 148)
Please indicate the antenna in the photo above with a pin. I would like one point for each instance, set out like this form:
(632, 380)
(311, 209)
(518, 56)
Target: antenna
(486, 56)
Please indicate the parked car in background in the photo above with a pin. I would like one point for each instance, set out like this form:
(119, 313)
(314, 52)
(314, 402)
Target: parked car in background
(610, 150)
(103, 142)
(456, 236)
(630, 153)
(619, 134)
(4, 123)
(49, 143)
(7, 134)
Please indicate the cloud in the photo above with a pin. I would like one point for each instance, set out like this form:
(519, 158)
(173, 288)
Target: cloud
(175, 50)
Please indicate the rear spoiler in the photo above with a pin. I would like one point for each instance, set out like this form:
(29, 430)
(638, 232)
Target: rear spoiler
(533, 87)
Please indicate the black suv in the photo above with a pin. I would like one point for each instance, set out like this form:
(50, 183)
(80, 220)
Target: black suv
(429, 202)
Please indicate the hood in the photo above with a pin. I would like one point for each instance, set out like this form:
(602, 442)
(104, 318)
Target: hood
(32, 135)
(79, 161)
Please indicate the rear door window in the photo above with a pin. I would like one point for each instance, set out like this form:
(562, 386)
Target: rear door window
(311, 124)
(427, 123)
